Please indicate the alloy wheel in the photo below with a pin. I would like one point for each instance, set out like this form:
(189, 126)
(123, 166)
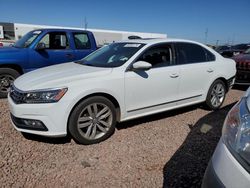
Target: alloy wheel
(5, 82)
(94, 121)
(217, 95)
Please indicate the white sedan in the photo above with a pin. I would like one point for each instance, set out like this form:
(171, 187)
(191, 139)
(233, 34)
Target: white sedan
(119, 82)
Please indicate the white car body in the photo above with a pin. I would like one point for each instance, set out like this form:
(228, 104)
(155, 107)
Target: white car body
(136, 95)
(226, 167)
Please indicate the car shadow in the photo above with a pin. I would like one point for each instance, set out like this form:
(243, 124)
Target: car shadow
(48, 140)
(188, 164)
(123, 125)
(155, 117)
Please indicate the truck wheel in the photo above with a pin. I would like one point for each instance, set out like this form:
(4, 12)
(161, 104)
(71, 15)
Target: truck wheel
(7, 77)
(92, 121)
(216, 95)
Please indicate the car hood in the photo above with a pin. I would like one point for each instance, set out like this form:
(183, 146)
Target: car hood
(10, 49)
(58, 76)
(12, 54)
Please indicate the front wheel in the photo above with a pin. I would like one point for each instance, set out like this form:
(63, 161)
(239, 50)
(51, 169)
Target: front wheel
(92, 121)
(7, 77)
(216, 95)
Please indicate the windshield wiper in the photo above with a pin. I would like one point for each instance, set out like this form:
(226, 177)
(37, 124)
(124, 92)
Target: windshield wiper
(88, 64)
(84, 63)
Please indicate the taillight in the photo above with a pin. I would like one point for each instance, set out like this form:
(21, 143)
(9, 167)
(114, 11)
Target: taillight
(1, 44)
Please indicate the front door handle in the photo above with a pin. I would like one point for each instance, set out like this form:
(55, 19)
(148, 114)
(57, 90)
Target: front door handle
(210, 70)
(174, 75)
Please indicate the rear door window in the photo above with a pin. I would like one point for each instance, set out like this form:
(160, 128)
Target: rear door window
(192, 53)
(81, 41)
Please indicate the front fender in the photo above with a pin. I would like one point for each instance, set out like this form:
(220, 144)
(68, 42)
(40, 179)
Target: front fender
(14, 57)
(115, 93)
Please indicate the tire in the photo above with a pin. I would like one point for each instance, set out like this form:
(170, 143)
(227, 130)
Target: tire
(7, 77)
(216, 95)
(93, 120)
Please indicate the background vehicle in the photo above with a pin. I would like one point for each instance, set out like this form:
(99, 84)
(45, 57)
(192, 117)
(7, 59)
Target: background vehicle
(230, 163)
(230, 51)
(118, 82)
(12, 32)
(223, 48)
(40, 48)
(7, 36)
(243, 67)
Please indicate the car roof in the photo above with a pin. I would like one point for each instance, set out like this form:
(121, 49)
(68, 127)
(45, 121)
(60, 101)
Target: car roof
(159, 40)
(62, 30)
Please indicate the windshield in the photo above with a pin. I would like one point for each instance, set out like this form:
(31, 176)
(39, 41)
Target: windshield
(27, 39)
(113, 55)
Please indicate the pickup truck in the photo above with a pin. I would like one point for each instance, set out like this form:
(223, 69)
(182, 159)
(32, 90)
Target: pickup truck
(40, 48)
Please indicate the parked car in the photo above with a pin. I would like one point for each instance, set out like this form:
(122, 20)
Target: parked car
(229, 166)
(243, 67)
(221, 49)
(119, 82)
(40, 48)
(234, 50)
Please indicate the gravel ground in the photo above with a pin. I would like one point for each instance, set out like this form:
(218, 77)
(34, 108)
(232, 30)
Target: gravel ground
(170, 149)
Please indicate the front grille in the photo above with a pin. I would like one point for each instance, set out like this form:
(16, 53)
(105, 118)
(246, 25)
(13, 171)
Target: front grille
(16, 95)
(243, 76)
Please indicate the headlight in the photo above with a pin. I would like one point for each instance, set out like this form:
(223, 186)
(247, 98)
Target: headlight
(44, 96)
(236, 131)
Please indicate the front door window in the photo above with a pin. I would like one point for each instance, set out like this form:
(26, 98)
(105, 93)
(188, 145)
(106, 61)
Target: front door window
(55, 40)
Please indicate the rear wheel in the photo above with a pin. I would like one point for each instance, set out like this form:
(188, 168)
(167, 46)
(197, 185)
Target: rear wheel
(216, 95)
(92, 121)
(7, 77)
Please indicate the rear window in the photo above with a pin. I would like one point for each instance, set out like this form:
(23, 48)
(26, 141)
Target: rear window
(210, 56)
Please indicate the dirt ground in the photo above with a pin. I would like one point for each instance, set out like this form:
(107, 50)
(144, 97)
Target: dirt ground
(171, 149)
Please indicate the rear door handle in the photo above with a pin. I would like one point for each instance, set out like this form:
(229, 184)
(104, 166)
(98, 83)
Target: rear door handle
(174, 75)
(210, 70)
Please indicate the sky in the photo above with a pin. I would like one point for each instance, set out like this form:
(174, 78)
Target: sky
(211, 21)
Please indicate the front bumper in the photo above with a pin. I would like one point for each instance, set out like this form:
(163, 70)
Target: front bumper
(53, 116)
(243, 77)
(225, 170)
(210, 178)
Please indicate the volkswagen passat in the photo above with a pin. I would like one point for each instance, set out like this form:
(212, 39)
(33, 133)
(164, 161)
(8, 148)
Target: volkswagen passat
(119, 82)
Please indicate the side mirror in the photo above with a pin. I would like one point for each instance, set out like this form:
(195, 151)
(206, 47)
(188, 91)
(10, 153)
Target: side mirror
(40, 46)
(141, 65)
